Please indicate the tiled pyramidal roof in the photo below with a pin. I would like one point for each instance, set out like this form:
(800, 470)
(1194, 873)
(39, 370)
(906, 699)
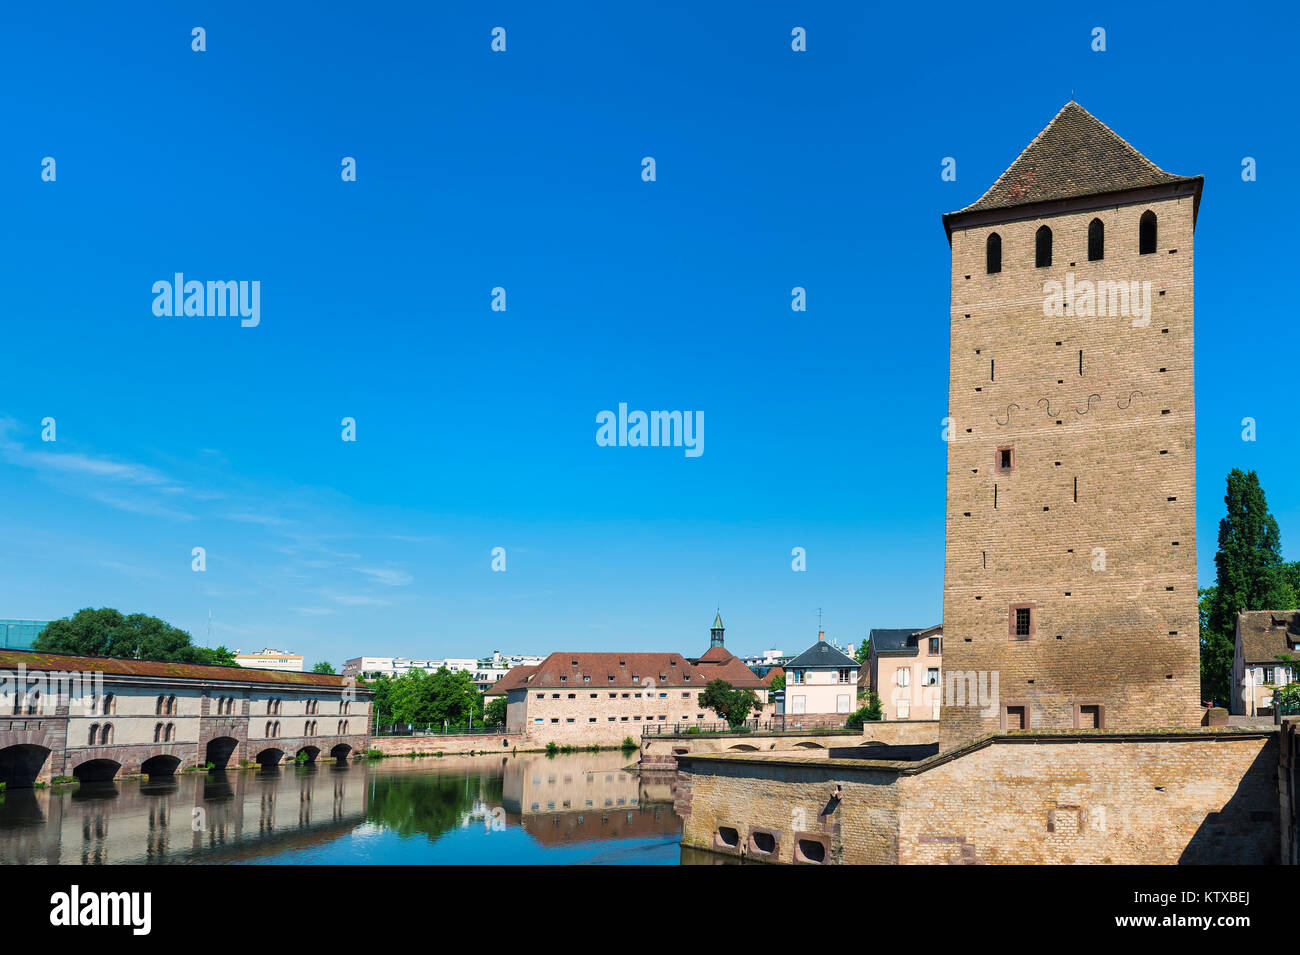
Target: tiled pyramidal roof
(1075, 155)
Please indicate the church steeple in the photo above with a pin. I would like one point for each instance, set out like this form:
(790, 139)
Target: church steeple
(715, 634)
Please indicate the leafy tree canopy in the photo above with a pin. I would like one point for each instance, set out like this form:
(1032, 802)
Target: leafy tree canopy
(323, 666)
(729, 703)
(427, 699)
(1251, 576)
(108, 633)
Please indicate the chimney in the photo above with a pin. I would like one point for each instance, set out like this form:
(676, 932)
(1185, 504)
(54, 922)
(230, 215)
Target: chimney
(821, 636)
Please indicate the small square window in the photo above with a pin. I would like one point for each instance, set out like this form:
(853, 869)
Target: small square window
(1005, 459)
(1022, 621)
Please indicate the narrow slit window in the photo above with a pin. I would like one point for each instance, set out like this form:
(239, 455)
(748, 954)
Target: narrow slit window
(1147, 233)
(993, 254)
(1043, 247)
(1096, 241)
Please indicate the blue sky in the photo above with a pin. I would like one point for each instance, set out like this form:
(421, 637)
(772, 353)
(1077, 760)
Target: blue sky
(475, 428)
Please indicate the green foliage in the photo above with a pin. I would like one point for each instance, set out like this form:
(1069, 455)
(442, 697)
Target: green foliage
(869, 713)
(368, 754)
(1288, 696)
(109, 633)
(552, 748)
(324, 666)
(428, 699)
(1251, 576)
(729, 703)
(693, 731)
(629, 743)
(495, 712)
(778, 682)
(863, 651)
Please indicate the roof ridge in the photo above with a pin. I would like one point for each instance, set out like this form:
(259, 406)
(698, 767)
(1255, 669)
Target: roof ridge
(1041, 133)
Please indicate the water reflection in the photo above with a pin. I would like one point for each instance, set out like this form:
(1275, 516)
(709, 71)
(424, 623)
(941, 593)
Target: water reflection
(582, 807)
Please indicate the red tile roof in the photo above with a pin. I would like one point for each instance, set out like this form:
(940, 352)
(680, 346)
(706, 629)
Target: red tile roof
(34, 660)
(514, 678)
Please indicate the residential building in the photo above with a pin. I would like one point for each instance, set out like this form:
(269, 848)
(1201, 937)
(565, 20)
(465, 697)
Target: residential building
(904, 668)
(268, 659)
(584, 698)
(1263, 639)
(823, 679)
(20, 634)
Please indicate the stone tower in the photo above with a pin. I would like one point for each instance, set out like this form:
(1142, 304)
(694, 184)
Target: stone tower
(1070, 566)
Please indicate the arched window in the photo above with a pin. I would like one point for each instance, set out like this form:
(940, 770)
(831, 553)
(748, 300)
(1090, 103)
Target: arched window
(993, 254)
(277, 729)
(157, 732)
(171, 732)
(33, 702)
(94, 735)
(1043, 247)
(268, 729)
(1096, 241)
(106, 734)
(1147, 233)
(160, 706)
(110, 704)
(171, 705)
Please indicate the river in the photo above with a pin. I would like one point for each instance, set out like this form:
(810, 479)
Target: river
(529, 808)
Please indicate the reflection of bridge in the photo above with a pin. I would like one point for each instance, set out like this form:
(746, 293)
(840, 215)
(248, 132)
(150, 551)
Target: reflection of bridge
(203, 817)
(94, 717)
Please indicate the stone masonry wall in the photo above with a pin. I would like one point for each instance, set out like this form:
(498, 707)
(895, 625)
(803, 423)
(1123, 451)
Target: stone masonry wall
(1093, 526)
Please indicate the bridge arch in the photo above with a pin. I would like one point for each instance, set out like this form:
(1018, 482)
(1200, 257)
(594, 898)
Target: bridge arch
(341, 752)
(311, 751)
(160, 765)
(219, 751)
(808, 744)
(96, 770)
(21, 764)
(742, 748)
(270, 757)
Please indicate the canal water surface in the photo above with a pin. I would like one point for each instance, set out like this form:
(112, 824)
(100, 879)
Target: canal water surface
(500, 809)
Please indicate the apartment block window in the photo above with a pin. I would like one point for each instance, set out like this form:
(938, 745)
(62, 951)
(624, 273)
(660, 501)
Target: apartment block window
(903, 677)
(932, 676)
(934, 646)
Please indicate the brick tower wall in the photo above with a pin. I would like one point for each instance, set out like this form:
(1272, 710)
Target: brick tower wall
(1123, 634)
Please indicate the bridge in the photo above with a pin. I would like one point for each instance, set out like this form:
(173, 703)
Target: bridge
(93, 718)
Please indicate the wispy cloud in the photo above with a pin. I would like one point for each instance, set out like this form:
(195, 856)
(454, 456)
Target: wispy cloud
(387, 576)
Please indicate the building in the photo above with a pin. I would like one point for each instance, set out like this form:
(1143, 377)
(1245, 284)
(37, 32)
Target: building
(1069, 732)
(1263, 639)
(823, 679)
(268, 659)
(20, 634)
(584, 698)
(905, 668)
(486, 672)
(1070, 565)
(93, 717)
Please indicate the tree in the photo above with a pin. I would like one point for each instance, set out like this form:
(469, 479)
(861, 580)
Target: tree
(108, 633)
(778, 682)
(494, 714)
(863, 651)
(323, 667)
(427, 699)
(1251, 576)
(871, 711)
(729, 703)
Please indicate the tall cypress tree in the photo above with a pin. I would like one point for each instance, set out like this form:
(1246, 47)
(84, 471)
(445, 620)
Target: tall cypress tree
(1251, 576)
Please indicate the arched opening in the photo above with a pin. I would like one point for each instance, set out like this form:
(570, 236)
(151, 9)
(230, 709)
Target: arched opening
(743, 748)
(219, 751)
(1096, 241)
(807, 744)
(1043, 247)
(993, 254)
(340, 752)
(97, 770)
(160, 765)
(311, 751)
(270, 757)
(1147, 233)
(21, 764)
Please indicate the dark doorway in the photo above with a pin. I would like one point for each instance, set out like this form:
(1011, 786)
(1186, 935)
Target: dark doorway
(219, 751)
(97, 771)
(160, 766)
(21, 764)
